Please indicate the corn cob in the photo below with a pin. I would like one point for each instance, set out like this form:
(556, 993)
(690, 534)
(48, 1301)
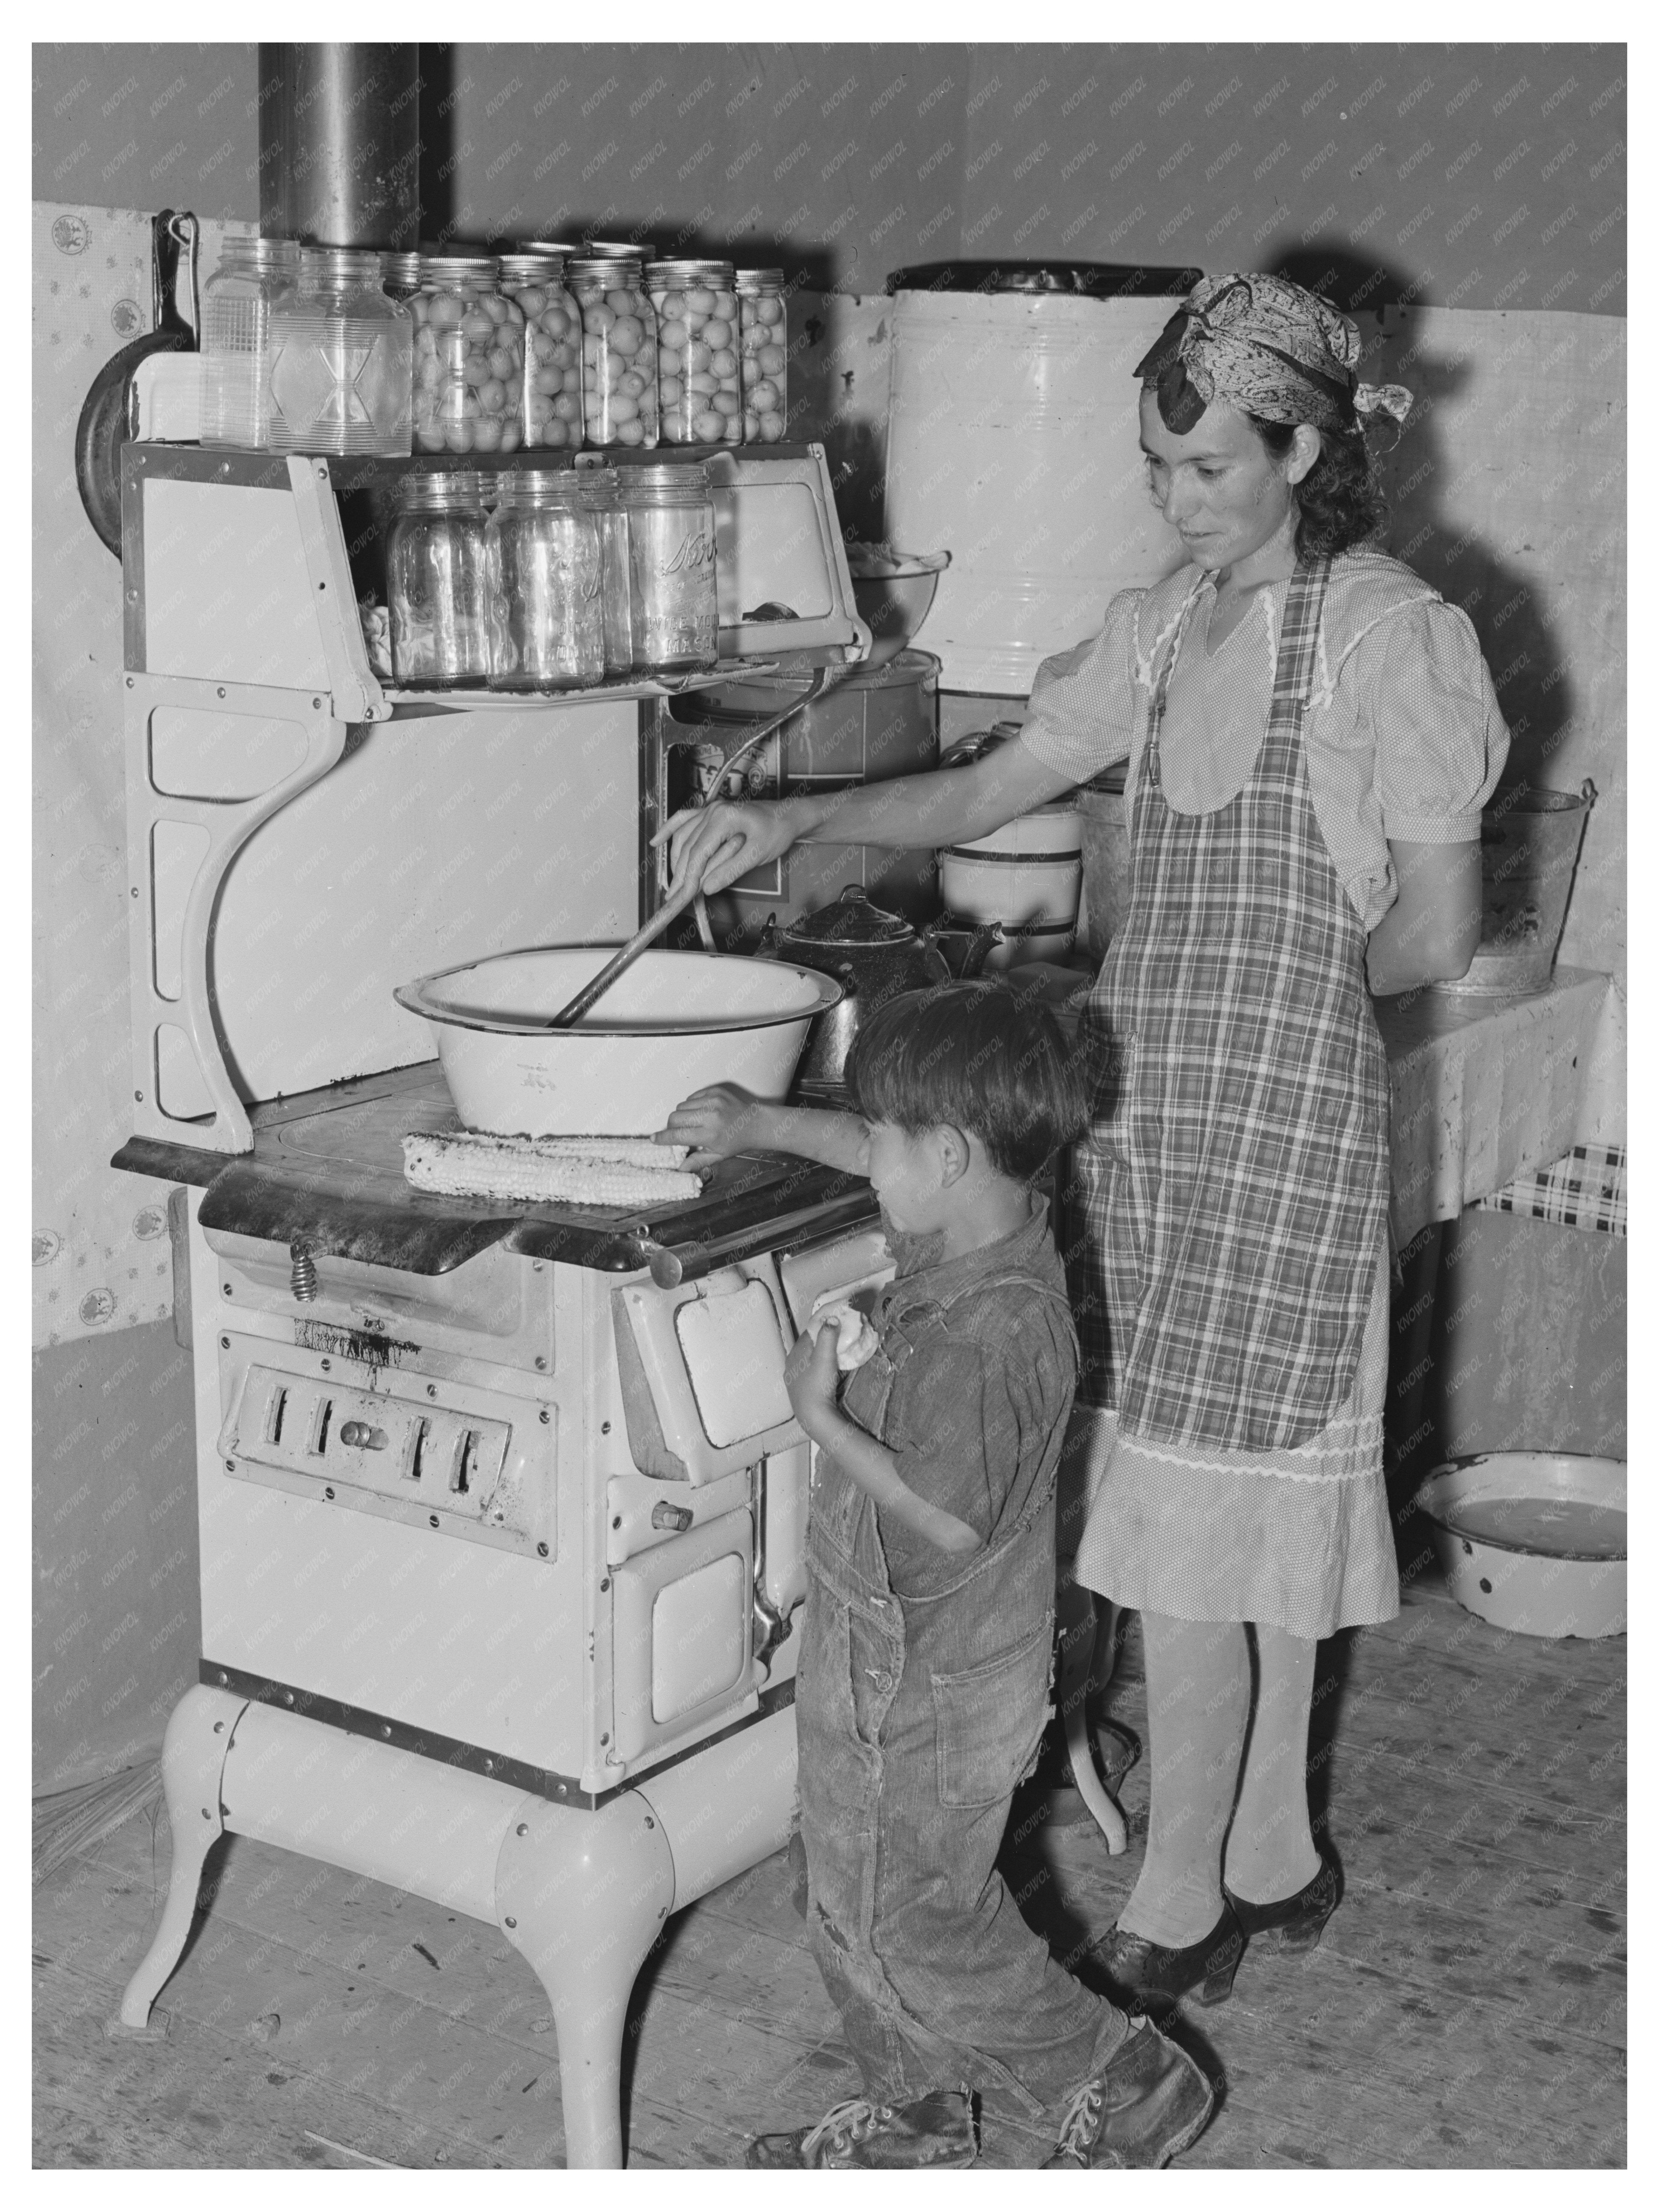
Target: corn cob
(604, 1171)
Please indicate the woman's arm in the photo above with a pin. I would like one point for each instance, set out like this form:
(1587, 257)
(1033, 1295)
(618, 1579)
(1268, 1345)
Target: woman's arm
(937, 808)
(810, 1375)
(1430, 933)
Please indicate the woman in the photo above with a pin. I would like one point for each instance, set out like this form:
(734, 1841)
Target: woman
(1311, 733)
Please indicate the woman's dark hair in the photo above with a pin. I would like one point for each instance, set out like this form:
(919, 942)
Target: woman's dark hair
(1339, 501)
(980, 1057)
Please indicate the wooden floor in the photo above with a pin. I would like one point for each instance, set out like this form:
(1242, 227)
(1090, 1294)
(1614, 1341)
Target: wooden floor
(1467, 2007)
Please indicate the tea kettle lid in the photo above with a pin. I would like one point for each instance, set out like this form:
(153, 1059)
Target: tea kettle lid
(853, 919)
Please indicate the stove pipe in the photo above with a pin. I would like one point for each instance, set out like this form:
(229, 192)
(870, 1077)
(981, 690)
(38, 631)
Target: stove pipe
(339, 144)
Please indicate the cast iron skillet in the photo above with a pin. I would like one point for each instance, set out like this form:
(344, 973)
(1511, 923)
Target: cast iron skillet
(106, 418)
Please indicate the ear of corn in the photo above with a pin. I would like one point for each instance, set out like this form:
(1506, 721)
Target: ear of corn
(574, 1171)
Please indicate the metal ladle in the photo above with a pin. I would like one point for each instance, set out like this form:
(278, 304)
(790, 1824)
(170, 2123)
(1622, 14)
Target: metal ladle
(824, 680)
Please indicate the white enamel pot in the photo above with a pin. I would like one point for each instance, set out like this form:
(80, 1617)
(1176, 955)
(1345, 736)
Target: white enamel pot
(673, 1023)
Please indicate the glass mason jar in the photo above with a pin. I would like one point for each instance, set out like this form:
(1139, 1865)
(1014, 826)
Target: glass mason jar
(340, 356)
(603, 492)
(437, 582)
(547, 621)
(619, 352)
(670, 562)
(696, 311)
(552, 396)
(469, 358)
(764, 354)
(237, 301)
(400, 277)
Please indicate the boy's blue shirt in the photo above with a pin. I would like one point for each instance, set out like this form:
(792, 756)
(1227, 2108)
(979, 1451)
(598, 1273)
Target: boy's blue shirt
(976, 1410)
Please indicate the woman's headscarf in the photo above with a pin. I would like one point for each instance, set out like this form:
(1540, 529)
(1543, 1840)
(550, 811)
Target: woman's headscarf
(1268, 347)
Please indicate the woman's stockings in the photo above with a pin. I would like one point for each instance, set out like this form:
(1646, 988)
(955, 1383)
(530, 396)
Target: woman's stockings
(1199, 1710)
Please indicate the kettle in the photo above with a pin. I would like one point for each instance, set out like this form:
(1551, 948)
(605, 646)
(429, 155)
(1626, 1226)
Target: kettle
(873, 954)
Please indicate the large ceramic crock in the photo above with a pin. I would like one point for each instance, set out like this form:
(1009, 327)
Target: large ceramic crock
(674, 1023)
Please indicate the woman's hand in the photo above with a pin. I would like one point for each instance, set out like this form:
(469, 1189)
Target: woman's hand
(810, 1376)
(716, 1122)
(753, 833)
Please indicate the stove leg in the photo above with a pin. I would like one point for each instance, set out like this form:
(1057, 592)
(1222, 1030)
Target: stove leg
(583, 1896)
(193, 1754)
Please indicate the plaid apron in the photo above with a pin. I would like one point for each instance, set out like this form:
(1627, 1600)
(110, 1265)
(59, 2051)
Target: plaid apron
(1234, 1186)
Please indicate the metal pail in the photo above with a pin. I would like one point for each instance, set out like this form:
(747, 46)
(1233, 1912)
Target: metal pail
(1530, 843)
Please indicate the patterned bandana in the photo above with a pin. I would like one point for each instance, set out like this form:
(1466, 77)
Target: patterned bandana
(1268, 347)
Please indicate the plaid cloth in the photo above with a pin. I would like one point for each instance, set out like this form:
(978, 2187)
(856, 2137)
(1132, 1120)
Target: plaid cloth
(1585, 1190)
(1225, 1212)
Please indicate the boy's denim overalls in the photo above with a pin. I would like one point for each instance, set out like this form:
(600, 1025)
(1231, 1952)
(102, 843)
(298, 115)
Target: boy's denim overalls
(917, 1716)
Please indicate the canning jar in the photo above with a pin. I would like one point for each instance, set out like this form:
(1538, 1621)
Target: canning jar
(696, 312)
(619, 352)
(671, 564)
(552, 338)
(400, 277)
(437, 582)
(764, 354)
(603, 493)
(340, 356)
(546, 626)
(237, 301)
(469, 358)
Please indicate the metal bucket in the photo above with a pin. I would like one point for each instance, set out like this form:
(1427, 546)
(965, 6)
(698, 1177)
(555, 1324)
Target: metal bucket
(1103, 809)
(1530, 843)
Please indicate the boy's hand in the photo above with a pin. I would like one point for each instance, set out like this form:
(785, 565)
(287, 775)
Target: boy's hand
(716, 1122)
(810, 1376)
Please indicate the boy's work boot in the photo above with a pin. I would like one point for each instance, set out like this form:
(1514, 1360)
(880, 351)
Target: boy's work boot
(1149, 2101)
(936, 2130)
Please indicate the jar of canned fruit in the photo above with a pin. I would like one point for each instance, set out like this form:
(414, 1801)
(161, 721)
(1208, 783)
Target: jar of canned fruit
(552, 411)
(469, 358)
(619, 352)
(763, 355)
(696, 311)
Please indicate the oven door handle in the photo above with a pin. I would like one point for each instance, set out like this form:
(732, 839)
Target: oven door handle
(670, 1265)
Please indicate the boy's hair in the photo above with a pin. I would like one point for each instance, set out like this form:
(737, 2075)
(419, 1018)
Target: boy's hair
(977, 1056)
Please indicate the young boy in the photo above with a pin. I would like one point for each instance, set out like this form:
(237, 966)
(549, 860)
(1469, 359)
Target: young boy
(922, 1689)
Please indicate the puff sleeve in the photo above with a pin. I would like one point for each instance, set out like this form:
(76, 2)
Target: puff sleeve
(1086, 702)
(1420, 682)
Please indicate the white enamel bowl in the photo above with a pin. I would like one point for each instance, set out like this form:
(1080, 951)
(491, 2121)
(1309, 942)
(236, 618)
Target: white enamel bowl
(673, 1023)
(1533, 1541)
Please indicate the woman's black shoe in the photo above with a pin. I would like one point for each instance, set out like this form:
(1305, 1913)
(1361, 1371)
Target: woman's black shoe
(1295, 1922)
(1153, 1975)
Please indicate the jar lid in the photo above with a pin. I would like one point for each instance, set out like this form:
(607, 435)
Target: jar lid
(608, 270)
(760, 280)
(559, 245)
(654, 478)
(338, 262)
(533, 487)
(659, 274)
(853, 919)
(444, 267)
(261, 253)
(438, 490)
(534, 267)
(616, 249)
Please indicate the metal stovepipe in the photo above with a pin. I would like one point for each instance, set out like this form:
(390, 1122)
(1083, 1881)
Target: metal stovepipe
(339, 144)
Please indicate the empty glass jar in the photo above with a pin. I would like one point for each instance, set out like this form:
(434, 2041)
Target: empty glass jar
(619, 352)
(552, 403)
(674, 612)
(400, 276)
(237, 301)
(696, 311)
(603, 493)
(547, 626)
(469, 358)
(764, 354)
(437, 582)
(340, 357)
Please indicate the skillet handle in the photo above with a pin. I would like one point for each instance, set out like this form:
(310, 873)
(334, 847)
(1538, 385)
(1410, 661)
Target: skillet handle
(175, 246)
